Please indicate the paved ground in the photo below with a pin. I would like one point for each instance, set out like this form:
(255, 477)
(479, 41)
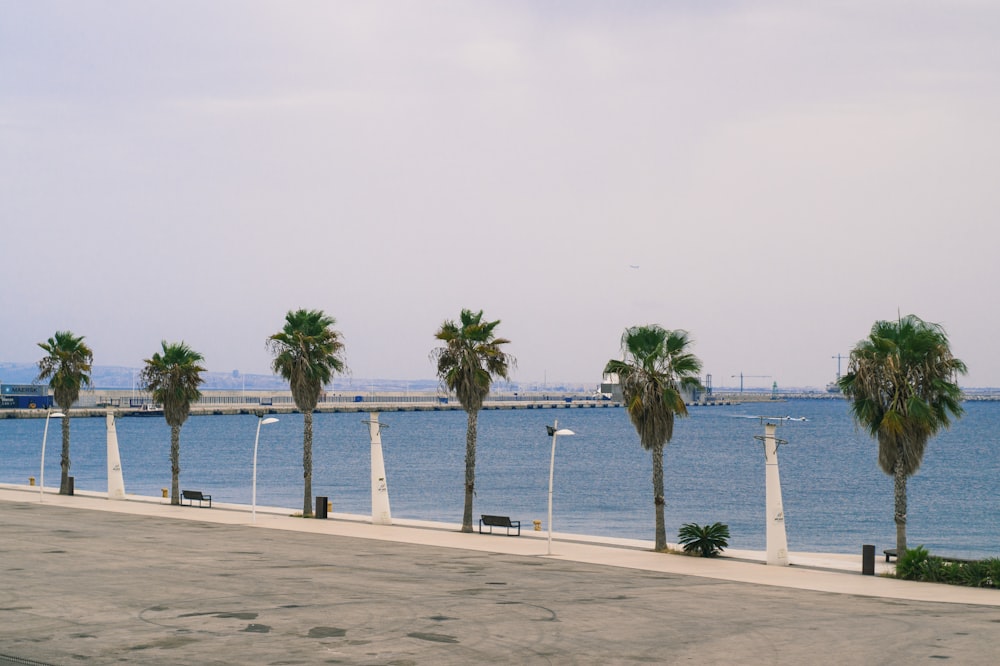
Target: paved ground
(87, 580)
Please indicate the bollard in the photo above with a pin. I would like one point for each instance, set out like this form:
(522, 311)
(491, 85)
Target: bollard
(867, 560)
(538, 525)
(321, 505)
(31, 480)
(164, 491)
(69, 485)
(329, 506)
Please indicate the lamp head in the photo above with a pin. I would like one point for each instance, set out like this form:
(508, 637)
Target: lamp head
(268, 420)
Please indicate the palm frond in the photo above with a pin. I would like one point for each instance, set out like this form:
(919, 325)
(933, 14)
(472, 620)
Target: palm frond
(471, 358)
(172, 377)
(308, 352)
(655, 367)
(902, 383)
(67, 366)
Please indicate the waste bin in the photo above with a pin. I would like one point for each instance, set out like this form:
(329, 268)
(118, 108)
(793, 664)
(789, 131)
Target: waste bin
(69, 485)
(321, 503)
(867, 560)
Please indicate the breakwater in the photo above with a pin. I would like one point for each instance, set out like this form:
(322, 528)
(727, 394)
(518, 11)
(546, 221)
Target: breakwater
(96, 403)
(257, 410)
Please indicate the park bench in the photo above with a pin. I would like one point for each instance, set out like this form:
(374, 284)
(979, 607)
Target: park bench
(499, 521)
(192, 495)
(889, 552)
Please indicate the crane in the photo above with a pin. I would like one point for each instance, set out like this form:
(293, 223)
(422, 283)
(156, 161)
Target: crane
(839, 357)
(834, 386)
(741, 376)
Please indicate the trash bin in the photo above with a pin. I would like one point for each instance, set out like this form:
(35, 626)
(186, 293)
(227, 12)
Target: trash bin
(321, 503)
(867, 560)
(69, 485)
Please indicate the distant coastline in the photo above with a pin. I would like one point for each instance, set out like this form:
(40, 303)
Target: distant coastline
(120, 378)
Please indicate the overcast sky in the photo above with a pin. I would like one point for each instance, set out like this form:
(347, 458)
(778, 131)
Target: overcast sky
(771, 176)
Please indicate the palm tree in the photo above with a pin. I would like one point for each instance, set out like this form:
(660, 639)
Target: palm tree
(467, 364)
(307, 353)
(172, 378)
(902, 384)
(656, 367)
(67, 367)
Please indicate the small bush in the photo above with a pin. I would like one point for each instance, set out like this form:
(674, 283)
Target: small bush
(707, 540)
(936, 570)
(974, 574)
(993, 567)
(918, 564)
(909, 564)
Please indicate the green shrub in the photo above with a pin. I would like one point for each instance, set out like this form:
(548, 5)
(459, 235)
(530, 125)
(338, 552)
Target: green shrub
(993, 567)
(974, 574)
(936, 570)
(918, 564)
(910, 562)
(708, 540)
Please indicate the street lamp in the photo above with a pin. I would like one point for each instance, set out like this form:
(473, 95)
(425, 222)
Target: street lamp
(260, 421)
(45, 435)
(552, 430)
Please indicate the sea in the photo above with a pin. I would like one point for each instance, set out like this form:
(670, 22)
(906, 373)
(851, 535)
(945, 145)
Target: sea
(835, 498)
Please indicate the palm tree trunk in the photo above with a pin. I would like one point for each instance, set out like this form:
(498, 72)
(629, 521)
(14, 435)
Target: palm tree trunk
(658, 501)
(175, 464)
(307, 464)
(470, 469)
(64, 462)
(900, 512)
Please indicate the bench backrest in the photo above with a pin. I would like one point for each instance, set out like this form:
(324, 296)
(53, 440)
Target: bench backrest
(192, 494)
(497, 521)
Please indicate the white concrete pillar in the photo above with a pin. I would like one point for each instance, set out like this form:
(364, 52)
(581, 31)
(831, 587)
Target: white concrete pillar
(116, 482)
(777, 540)
(380, 489)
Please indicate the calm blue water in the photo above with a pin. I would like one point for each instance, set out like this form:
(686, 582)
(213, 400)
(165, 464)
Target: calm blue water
(835, 497)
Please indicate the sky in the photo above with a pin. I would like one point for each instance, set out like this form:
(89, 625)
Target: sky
(772, 177)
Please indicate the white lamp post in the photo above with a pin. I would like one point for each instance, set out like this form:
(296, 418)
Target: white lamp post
(260, 421)
(553, 430)
(45, 435)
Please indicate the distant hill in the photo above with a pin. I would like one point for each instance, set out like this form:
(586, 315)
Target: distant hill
(117, 377)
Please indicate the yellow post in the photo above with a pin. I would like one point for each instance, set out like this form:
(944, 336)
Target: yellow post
(31, 480)
(538, 525)
(164, 490)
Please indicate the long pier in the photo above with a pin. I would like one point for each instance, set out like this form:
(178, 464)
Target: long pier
(125, 402)
(97, 403)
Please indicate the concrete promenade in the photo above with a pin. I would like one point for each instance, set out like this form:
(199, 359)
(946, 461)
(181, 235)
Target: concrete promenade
(90, 580)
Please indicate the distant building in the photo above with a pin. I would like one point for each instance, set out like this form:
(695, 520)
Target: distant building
(611, 386)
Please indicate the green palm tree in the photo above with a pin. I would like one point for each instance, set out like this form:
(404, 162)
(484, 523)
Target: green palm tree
(467, 364)
(902, 384)
(307, 353)
(655, 369)
(67, 367)
(172, 378)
